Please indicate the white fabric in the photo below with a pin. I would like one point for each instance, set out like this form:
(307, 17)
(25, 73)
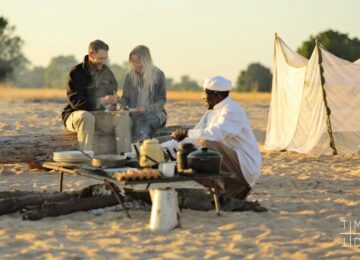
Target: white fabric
(217, 83)
(227, 123)
(286, 93)
(297, 117)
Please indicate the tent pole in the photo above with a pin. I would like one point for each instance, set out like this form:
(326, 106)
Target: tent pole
(328, 111)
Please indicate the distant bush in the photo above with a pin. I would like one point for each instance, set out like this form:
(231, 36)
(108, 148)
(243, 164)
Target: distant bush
(185, 83)
(256, 78)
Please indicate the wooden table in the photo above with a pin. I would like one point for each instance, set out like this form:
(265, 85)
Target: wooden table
(100, 174)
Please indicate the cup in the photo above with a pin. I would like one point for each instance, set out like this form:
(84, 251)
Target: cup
(167, 168)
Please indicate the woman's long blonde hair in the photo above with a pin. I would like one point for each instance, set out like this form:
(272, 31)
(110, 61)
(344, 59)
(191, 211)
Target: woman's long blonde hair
(148, 73)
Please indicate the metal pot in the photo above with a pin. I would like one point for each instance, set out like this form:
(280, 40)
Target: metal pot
(204, 161)
(108, 161)
(181, 161)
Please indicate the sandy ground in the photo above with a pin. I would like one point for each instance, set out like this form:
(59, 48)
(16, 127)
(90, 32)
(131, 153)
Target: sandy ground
(308, 196)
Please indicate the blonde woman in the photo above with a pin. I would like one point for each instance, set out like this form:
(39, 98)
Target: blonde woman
(144, 91)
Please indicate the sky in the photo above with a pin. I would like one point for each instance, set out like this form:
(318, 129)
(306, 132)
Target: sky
(200, 38)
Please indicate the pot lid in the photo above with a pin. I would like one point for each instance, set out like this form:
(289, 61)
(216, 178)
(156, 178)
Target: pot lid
(204, 152)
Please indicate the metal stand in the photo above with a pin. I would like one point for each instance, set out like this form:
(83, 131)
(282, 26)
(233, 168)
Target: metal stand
(61, 180)
(215, 193)
(118, 198)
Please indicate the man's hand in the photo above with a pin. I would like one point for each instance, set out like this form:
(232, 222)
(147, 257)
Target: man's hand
(140, 110)
(108, 100)
(179, 134)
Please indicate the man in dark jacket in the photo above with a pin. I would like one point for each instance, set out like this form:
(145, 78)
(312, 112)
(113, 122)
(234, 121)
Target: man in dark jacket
(91, 89)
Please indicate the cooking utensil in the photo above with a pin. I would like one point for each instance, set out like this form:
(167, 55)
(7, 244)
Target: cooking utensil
(151, 159)
(169, 155)
(184, 150)
(167, 168)
(136, 150)
(151, 148)
(204, 161)
(108, 161)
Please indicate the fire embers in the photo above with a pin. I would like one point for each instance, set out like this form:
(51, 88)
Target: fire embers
(136, 175)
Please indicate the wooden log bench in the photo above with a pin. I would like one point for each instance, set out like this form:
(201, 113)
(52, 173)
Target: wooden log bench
(37, 148)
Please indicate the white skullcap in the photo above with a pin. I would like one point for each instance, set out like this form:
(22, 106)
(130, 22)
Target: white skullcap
(217, 83)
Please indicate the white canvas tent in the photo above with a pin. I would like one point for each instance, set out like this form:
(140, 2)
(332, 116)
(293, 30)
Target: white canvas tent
(315, 103)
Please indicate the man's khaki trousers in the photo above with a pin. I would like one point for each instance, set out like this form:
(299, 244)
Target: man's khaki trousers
(85, 123)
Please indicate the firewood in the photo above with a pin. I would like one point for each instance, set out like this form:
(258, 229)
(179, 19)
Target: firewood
(54, 209)
(12, 201)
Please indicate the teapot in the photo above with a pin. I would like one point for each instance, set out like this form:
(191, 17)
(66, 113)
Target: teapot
(151, 153)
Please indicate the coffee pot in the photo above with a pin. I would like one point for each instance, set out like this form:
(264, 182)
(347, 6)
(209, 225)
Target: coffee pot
(151, 153)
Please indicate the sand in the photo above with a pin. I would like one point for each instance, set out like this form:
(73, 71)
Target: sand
(308, 197)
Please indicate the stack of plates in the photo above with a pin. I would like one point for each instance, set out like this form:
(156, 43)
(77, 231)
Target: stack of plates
(71, 156)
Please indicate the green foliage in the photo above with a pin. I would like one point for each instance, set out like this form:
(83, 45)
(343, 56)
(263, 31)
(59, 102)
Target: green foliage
(10, 50)
(255, 78)
(186, 83)
(32, 78)
(335, 42)
(56, 74)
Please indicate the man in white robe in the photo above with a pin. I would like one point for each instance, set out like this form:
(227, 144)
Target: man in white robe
(225, 128)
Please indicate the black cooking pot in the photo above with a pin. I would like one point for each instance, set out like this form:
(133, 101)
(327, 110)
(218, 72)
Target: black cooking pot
(183, 151)
(204, 161)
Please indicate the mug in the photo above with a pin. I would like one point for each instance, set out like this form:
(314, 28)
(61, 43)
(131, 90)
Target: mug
(167, 168)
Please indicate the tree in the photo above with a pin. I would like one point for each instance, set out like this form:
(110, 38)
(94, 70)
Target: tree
(255, 78)
(32, 78)
(11, 55)
(335, 42)
(56, 74)
(186, 83)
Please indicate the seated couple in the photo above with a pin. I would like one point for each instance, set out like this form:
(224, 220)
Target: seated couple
(92, 88)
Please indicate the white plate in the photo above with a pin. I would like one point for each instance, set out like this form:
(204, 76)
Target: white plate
(70, 160)
(67, 153)
(71, 156)
(72, 153)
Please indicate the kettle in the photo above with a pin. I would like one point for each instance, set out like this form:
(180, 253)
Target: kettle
(151, 151)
